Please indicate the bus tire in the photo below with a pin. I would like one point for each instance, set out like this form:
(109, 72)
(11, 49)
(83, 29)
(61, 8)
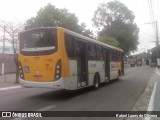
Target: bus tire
(96, 82)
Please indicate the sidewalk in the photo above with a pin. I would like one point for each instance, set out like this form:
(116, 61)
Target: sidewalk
(154, 104)
(8, 80)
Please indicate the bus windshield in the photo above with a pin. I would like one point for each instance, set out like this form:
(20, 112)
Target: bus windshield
(38, 40)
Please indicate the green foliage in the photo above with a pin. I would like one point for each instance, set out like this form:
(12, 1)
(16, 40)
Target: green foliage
(116, 20)
(109, 40)
(86, 32)
(50, 16)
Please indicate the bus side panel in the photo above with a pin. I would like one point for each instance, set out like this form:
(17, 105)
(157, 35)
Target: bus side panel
(71, 82)
(93, 67)
(100, 69)
(113, 70)
(118, 66)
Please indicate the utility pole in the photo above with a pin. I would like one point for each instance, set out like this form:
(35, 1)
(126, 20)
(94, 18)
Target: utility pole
(157, 39)
(157, 43)
(3, 50)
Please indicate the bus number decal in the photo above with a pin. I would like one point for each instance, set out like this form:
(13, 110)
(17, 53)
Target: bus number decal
(48, 67)
(49, 60)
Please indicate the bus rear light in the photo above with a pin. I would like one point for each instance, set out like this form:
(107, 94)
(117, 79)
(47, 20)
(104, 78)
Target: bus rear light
(57, 76)
(21, 72)
(58, 70)
(58, 66)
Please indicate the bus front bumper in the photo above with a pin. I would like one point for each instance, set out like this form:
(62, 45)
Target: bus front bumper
(55, 84)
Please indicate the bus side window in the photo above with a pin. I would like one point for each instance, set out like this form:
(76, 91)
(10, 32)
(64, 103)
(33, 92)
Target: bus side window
(69, 45)
(91, 51)
(118, 56)
(113, 56)
(99, 51)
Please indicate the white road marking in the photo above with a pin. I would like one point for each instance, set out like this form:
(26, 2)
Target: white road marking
(47, 108)
(150, 106)
(157, 71)
(9, 88)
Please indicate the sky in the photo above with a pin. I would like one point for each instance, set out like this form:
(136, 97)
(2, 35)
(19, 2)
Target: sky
(19, 11)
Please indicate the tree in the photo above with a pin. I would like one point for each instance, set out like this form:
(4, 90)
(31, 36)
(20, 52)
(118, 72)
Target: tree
(85, 31)
(116, 20)
(11, 35)
(109, 40)
(50, 16)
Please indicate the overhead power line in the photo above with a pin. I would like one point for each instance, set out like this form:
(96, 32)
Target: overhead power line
(148, 34)
(151, 14)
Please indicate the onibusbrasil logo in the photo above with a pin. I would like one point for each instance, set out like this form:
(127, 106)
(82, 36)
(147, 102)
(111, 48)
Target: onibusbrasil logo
(21, 114)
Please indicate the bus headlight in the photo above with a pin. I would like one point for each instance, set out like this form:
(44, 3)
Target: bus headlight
(58, 70)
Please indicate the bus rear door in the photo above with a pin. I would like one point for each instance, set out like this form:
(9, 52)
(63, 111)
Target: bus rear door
(81, 63)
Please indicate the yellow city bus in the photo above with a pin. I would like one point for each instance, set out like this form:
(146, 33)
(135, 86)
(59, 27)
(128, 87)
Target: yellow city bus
(54, 57)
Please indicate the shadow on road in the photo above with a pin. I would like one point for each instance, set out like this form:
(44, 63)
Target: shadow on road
(62, 95)
(111, 82)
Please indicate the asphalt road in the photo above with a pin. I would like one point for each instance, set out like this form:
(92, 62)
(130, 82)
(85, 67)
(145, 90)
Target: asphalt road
(118, 95)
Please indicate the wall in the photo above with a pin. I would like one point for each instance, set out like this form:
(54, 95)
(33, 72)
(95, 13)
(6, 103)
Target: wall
(10, 66)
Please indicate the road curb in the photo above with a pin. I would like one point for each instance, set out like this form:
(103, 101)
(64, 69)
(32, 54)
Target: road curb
(150, 106)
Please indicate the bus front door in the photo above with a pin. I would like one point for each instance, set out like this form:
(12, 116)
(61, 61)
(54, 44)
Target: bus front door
(81, 63)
